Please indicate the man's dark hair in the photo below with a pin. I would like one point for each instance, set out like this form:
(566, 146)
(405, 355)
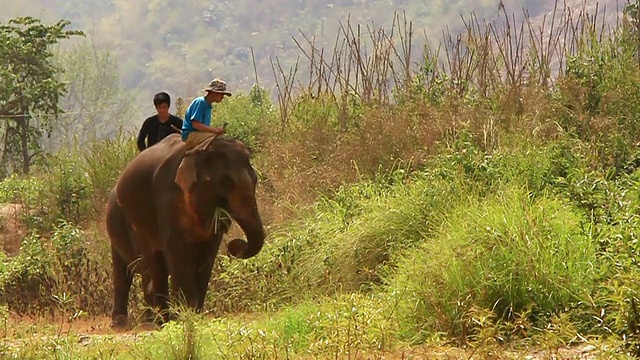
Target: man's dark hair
(161, 98)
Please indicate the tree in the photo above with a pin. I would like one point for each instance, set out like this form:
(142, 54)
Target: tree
(29, 85)
(96, 105)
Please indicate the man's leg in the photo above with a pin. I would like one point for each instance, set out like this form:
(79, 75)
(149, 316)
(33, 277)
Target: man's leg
(197, 137)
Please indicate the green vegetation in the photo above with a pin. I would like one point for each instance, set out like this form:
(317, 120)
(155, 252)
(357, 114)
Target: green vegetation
(494, 210)
(30, 86)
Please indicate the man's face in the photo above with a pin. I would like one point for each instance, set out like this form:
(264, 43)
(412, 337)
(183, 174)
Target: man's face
(217, 97)
(162, 109)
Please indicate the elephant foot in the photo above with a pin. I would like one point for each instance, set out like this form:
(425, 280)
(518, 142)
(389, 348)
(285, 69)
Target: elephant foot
(119, 322)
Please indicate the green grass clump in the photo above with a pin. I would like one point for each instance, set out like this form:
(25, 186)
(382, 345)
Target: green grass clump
(509, 253)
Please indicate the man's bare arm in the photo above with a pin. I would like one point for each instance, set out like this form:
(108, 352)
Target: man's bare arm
(202, 127)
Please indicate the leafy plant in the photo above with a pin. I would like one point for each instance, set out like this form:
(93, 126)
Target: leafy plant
(508, 254)
(30, 87)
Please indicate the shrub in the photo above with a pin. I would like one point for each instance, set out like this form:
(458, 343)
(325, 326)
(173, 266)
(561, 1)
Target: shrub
(510, 254)
(105, 159)
(79, 272)
(63, 265)
(597, 99)
(27, 282)
(15, 189)
(250, 117)
(71, 189)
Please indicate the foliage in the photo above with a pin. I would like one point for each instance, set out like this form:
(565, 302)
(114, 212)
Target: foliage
(34, 280)
(95, 104)
(16, 189)
(249, 117)
(79, 267)
(30, 87)
(71, 185)
(509, 254)
(104, 160)
(600, 91)
(27, 277)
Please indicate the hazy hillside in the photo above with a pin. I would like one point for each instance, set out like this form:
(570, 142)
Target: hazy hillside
(177, 46)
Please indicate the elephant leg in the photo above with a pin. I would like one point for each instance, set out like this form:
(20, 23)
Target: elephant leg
(148, 315)
(182, 266)
(122, 279)
(160, 274)
(178, 256)
(207, 256)
(155, 283)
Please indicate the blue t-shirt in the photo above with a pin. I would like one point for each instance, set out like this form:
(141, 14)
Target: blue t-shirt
(199, 110)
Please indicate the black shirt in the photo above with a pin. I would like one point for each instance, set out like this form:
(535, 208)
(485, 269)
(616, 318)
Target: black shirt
(153, 130)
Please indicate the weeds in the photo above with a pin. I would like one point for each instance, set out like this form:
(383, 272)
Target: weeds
(505, 255)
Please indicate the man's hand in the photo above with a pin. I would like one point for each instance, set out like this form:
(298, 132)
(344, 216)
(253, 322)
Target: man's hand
(218, 131)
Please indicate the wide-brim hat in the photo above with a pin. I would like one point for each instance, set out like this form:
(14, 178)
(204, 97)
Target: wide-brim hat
(217, 86)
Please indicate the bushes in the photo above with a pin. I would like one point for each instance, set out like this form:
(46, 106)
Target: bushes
(44, 269)
(509, 253)
(251, 117)
(597, 99)
(27, 282)
(70, 189)
(71, 185)
(14, 189)
(104, 160)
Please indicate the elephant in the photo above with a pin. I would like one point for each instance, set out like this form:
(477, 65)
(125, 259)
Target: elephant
(167, 214)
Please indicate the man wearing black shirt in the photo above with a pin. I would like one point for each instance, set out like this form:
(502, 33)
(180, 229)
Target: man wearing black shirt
(157, 127)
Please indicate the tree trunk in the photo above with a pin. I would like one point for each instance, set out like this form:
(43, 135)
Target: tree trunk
(6, 144)
(24, 143)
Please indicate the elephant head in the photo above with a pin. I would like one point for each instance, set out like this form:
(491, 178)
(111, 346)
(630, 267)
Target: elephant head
(218, 175)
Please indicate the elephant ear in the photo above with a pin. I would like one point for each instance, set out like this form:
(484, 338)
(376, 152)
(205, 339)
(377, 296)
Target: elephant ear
(186, 173)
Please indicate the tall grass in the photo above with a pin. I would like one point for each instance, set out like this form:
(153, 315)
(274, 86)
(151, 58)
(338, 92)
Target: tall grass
(509, 253)
(104, 160)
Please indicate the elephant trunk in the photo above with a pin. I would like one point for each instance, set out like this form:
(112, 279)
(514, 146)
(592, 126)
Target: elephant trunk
(254, 231)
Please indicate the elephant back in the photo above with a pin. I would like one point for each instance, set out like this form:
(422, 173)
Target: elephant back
(134, 189)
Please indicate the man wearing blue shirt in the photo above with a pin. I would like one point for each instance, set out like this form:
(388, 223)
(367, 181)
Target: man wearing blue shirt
(196, 126)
